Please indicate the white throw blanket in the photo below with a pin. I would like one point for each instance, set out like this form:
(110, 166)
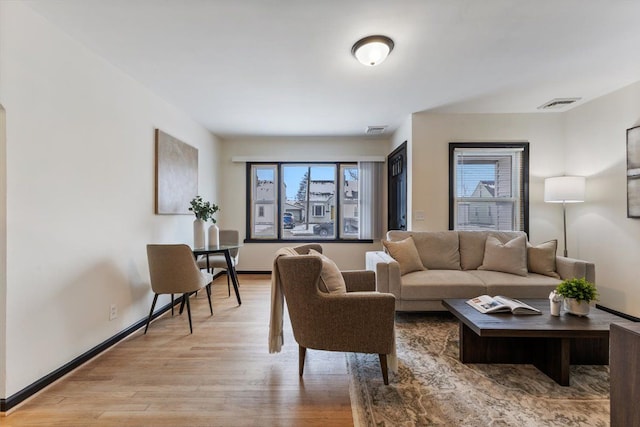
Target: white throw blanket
(277, 304)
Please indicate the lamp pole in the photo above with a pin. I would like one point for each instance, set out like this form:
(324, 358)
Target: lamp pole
(564, 223)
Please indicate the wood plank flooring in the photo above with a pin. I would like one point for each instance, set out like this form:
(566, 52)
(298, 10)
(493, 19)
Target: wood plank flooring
(222, 375)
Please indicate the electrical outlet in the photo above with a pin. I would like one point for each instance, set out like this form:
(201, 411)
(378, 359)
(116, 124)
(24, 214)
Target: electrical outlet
(113, 311)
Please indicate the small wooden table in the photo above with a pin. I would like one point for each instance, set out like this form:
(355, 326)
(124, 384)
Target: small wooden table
(222, 248)
(550, 343)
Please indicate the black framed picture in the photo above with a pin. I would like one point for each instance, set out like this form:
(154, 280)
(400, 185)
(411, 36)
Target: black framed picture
(633, 172)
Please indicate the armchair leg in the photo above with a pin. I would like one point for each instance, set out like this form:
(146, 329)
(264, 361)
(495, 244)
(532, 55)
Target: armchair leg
(228, 283)
(302, 352)
(383, 366)
(171, 305)
(153, 304)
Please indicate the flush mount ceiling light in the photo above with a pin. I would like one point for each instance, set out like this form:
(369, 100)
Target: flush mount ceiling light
(372, 50)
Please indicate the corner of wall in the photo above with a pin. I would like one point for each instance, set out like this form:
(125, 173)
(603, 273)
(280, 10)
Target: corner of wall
(3, 253)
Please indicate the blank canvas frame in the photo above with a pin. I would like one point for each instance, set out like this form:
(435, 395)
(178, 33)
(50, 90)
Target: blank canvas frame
(633, 172)
(176, 174)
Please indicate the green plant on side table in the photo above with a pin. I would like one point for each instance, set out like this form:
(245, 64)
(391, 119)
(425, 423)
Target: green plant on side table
(577, 294)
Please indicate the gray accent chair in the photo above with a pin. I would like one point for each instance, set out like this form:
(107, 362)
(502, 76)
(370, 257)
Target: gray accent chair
(231, 237)
(173, 270)
(360, 321)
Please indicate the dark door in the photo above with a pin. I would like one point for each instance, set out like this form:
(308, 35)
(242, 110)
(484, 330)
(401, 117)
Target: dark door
(397, 185)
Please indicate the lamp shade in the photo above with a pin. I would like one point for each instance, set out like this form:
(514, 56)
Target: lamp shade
(564, 189)
(372, 50)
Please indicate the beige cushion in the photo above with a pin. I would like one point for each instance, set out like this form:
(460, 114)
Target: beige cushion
(331, 280)
(472, 245)
(510, 257)
(541, 259)
(406, 254)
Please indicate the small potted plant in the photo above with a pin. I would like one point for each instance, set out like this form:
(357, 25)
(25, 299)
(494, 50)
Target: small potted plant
(204, 212)
(577, 295)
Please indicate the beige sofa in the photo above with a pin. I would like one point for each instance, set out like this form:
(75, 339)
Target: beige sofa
(455, 266)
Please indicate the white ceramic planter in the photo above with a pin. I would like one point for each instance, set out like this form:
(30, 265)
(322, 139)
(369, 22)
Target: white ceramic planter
(214, 235)
(578, 308)
(198, 233)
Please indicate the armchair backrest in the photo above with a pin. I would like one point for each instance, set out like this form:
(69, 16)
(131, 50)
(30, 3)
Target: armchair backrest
(231, 237)
(173, 269)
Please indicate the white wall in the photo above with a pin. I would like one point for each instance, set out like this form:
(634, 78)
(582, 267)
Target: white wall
(80, 194)
(259, 256)
(431, 136)
(599, 228)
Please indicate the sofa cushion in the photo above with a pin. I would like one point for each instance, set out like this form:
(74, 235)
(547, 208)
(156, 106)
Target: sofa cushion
(331, 280)
(405, 252)
(472, 245)
(530, 286)
(541, 259)
(438, 250)
(440, 284)
(509, 257)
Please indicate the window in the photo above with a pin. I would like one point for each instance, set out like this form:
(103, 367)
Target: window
(488, 186)
(312, 201)
(318, 210)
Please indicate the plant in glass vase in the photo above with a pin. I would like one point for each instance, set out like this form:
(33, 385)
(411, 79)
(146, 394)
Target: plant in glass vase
(204, 212)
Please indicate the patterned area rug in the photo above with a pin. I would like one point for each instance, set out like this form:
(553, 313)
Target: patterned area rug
(433, 388)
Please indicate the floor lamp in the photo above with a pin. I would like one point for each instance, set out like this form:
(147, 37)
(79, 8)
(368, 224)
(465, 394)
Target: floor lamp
(564, 189)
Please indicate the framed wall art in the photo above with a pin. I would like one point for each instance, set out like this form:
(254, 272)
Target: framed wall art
(176, 174)
(633, 172)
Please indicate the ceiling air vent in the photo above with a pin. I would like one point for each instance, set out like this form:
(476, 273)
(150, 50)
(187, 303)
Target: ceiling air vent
(557, 103)
(375, 130)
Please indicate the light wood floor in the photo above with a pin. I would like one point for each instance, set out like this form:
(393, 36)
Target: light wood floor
(222, 375)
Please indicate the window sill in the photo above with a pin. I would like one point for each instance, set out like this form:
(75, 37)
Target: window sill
(308, 240)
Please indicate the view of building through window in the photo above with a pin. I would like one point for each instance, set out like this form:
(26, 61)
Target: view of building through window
(308, 200)
(489, 192)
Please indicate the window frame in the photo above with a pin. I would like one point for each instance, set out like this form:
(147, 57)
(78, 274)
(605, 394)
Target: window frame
(524, 184)
(279, 200)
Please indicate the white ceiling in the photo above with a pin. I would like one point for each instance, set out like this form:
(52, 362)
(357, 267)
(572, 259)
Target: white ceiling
(284, 67)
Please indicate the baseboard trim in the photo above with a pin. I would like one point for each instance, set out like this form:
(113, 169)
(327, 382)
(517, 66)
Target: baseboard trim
(618, 313)
(253, 271)
(19, 397)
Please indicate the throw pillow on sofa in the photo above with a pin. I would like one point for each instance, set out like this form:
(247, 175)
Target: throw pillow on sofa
(541, 259)
(331, 280)
(510, 257)
(405, 252)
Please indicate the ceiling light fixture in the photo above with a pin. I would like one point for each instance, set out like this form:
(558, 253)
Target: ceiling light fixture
(372, 50)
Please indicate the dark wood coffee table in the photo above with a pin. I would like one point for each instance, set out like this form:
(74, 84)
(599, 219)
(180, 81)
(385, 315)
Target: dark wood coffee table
(548, 342)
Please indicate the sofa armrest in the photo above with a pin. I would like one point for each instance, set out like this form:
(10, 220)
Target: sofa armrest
(568, 268)
(387, 272)
(359, 280)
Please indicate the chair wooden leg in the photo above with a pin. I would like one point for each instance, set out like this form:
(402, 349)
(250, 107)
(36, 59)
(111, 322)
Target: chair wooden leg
(383, 366)
(302, 352)
(208, 288)
(171, 305)
(228, 283)
(153, 304)
(186, 297)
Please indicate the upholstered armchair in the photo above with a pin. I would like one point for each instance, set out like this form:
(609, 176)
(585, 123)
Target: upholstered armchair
(359, 320)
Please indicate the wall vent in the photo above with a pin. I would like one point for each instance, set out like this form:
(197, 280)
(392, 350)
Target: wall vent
(557, 103)
(375, 130)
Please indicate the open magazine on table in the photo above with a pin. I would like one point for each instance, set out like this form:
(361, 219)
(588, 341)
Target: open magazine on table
(501, 304)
